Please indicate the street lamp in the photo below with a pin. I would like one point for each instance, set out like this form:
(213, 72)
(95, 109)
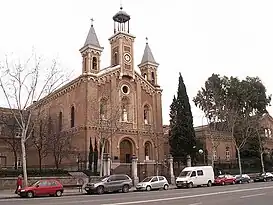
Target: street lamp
(78, 161)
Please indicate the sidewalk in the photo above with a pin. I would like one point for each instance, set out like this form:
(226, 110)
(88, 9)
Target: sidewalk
(6, 194)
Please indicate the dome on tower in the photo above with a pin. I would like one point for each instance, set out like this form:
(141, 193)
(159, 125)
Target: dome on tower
(121, 16)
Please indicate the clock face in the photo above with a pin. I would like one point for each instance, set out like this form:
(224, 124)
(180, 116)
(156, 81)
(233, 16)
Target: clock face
(127, 57)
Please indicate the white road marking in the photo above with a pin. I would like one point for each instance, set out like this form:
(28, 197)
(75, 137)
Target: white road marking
(196, 203)
(253, 195)
(189, 196)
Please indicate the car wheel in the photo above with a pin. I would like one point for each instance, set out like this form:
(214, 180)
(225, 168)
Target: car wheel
(165, 187)
(30, 194)
(190, 185)
(125, 188)
(223, 183)
(58, 193)
(148, 188)
(209, 184)
(88, 192)
(100, 190)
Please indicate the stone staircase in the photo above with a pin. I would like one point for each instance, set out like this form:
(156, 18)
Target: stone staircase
(122, 168)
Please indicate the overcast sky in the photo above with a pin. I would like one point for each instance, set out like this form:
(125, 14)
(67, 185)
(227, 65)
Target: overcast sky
(194, 37)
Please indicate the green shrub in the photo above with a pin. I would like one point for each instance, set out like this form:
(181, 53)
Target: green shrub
(34, 172)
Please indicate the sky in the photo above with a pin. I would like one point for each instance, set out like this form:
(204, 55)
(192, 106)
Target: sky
(194, 37)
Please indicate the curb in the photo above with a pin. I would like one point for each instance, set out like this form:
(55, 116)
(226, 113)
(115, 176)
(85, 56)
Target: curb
(73, 194)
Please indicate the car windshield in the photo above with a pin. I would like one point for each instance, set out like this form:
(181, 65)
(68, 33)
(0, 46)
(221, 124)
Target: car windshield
(147, 179)
(103, 178)
(185, 173)
(35, 184)
(221, 176)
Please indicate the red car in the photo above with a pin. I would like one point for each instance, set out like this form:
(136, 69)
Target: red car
(224, 179)
(46, 187)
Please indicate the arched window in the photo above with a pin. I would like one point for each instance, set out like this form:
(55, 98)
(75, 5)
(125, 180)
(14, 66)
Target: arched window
(72, 117)
(153, 77)
(85, 64)
(125, 109)
(227, 154)
(148, 151)
(115, 58)
(103, 109)
(146, 114)
(94, 63)
(145, 76)
(60, 121)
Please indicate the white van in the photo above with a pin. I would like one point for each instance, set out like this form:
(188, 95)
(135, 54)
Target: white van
(195, 176)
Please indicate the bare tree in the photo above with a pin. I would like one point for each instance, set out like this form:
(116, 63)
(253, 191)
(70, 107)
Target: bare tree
(59, 141)
(60, 146)
(107, 117)
(157, 141)
(10, 136)
(40, 139)
(215, 130)
(23, 83)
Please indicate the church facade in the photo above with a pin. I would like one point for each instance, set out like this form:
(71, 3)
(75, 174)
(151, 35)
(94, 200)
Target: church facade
(115, 105)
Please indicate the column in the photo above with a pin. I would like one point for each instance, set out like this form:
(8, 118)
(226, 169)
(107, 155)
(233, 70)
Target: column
(170, 160)
(106, 164)
(134, 170)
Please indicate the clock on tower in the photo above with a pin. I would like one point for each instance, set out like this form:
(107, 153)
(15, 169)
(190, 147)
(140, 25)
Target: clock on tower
(122, 43)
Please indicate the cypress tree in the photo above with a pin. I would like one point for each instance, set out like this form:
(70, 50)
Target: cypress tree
(182, 135)
(96, 157)
(91, 155)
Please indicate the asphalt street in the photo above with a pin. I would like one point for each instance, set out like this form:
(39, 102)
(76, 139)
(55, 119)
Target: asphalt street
(243, 194)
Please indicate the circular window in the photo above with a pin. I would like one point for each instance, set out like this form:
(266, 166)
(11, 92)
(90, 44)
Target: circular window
(125, 89)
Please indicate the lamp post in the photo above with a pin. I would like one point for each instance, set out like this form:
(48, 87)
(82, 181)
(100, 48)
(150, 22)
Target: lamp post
(201, 152)
(78, 161)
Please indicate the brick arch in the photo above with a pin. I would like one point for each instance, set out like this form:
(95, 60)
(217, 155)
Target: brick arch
(126, 150)
(148, 146)
(150, 111)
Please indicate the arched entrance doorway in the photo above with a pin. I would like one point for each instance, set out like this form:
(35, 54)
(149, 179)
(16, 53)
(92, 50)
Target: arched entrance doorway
(126, 151)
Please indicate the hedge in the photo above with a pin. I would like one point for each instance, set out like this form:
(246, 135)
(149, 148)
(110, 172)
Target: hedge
(34, 172)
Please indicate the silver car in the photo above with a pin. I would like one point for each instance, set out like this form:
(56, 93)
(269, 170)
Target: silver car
(112, 183)
(153, 182)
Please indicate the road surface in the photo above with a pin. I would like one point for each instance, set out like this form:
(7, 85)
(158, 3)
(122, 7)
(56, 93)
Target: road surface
(243, 194)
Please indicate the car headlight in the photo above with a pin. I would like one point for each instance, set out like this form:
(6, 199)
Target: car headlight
(22, 190)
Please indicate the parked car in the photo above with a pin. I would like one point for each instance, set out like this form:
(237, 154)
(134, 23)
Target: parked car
(195, 176)
(264, 177)
(47, 187)
(110, 183)
(153, 182)
(242, 179)
(224, 179)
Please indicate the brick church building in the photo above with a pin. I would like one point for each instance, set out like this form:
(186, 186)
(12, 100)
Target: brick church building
(116, 104)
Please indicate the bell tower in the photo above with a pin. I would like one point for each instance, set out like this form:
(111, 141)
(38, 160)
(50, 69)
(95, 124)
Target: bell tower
(122, 44)
(91, 52)
(148, 66)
